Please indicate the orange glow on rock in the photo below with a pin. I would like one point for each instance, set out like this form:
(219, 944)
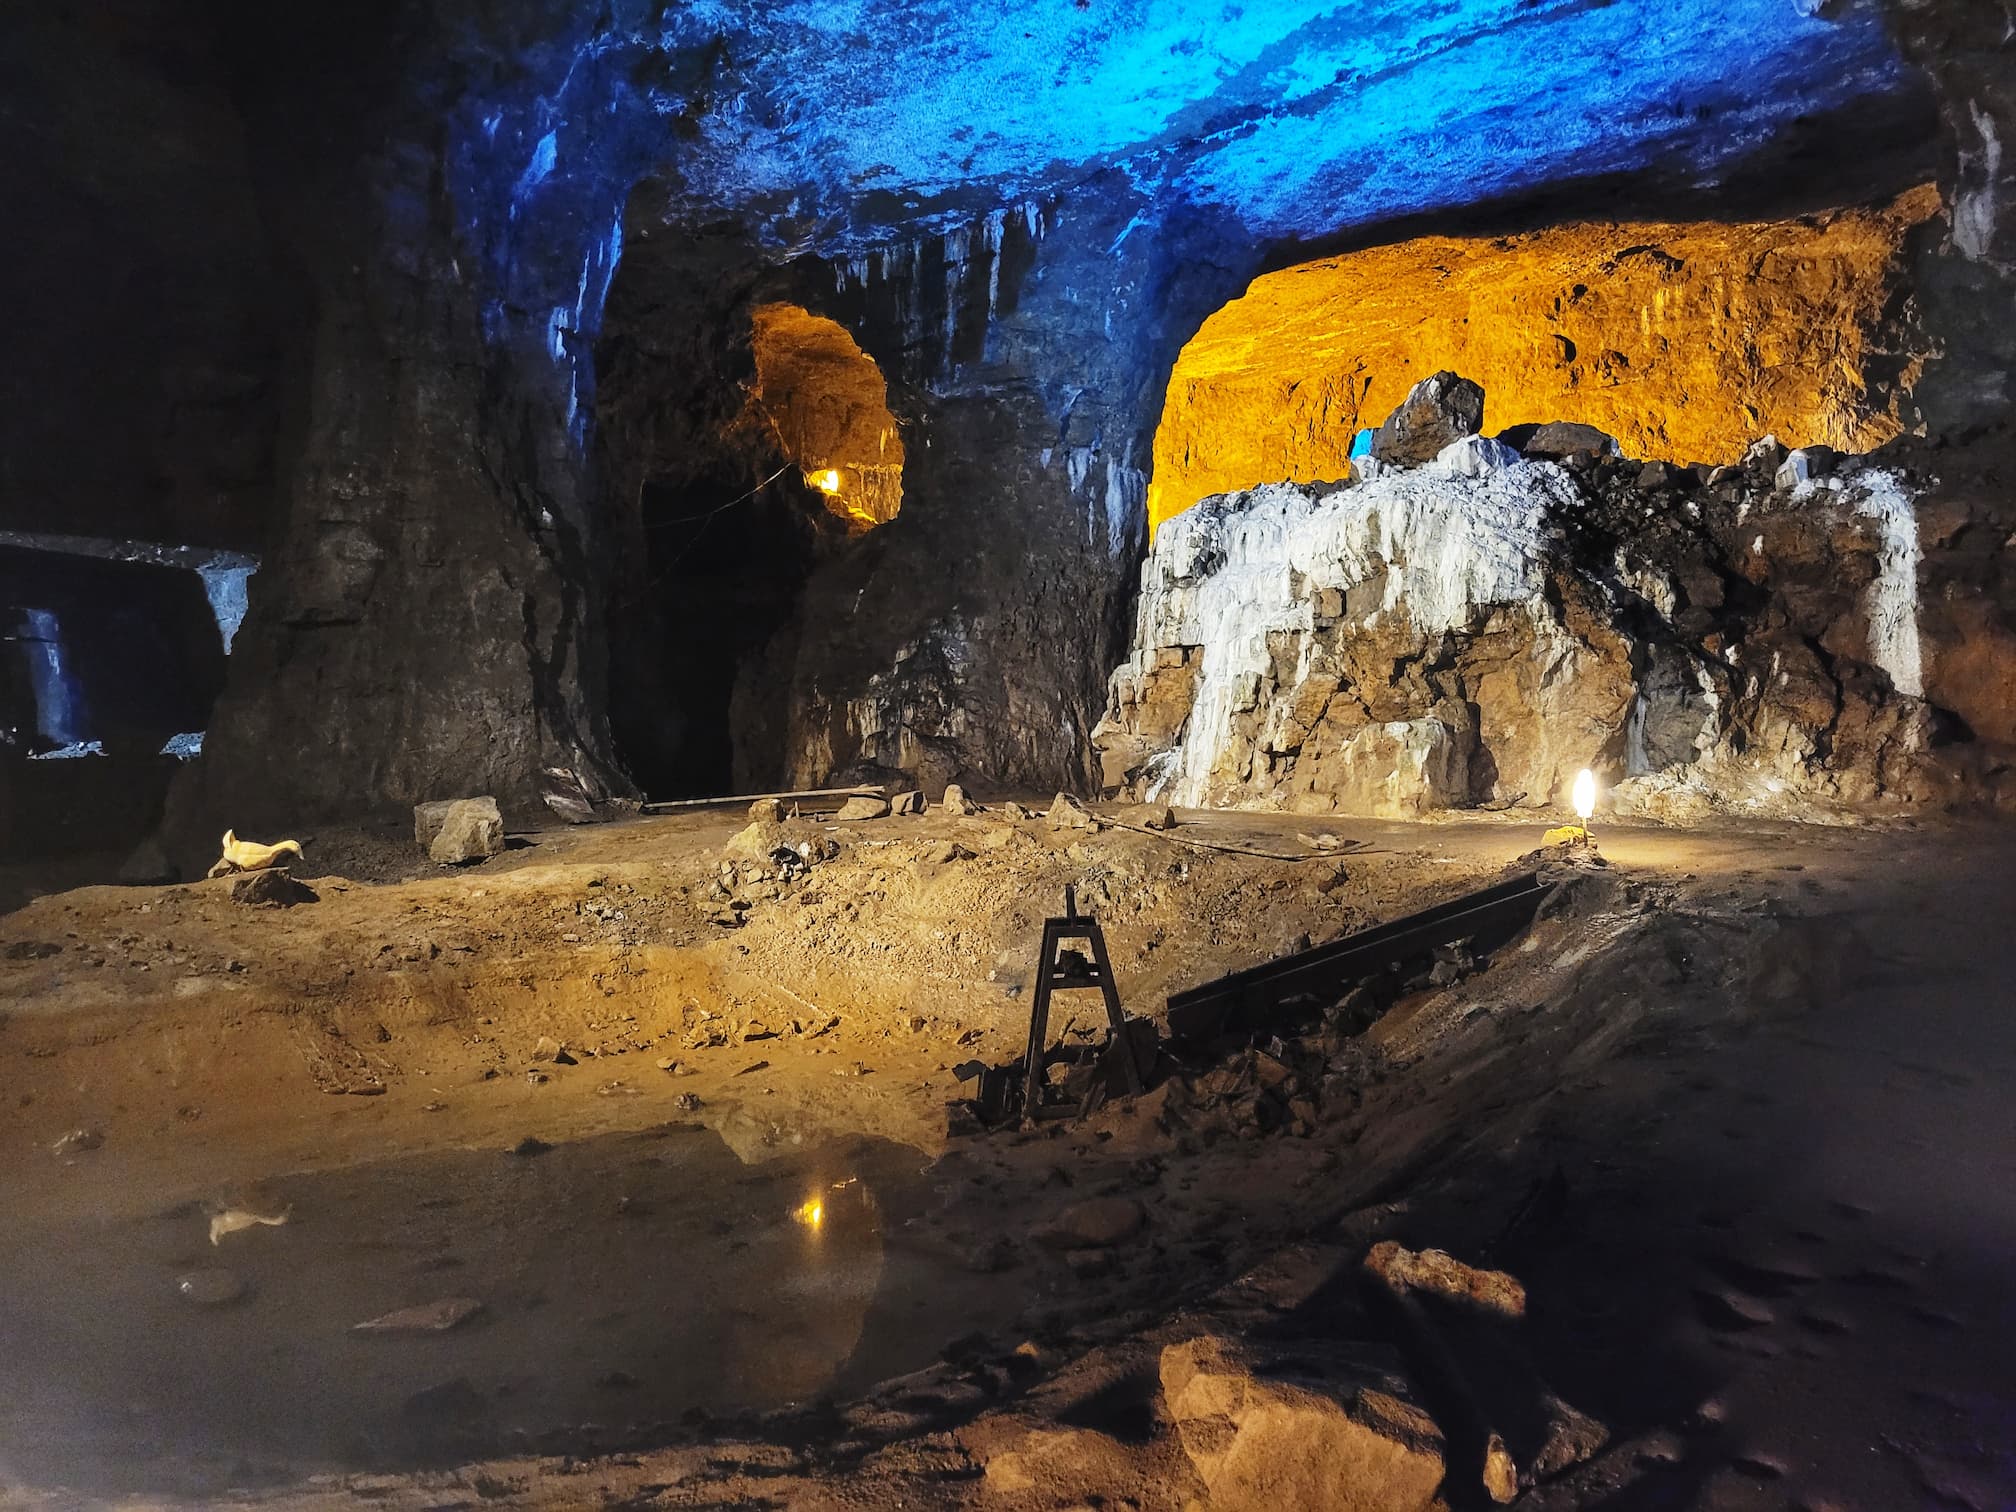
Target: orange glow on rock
(827, 403)
(1686, 342)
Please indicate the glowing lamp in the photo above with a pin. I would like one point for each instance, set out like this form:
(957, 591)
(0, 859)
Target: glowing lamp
(1585, 794)
(811, 1213)
(826, 481)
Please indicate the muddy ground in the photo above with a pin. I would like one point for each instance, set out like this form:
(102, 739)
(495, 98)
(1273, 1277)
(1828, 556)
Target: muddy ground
(1737, 1111)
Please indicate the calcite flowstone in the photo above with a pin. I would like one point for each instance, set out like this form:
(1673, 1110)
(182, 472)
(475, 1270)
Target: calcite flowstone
(1429, 640)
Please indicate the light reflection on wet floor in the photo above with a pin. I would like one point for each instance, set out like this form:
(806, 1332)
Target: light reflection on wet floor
(625, 1280)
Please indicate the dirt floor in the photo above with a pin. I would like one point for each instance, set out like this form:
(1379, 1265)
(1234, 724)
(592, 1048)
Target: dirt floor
(1737, 1110)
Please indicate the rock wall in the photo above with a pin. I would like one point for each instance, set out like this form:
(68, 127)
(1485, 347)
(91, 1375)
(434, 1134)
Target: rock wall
(1475, 631)
(1680, 340)
(1026, 352)
(1966, 265)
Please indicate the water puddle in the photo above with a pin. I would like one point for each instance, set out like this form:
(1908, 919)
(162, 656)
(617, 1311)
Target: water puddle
(626, 1282)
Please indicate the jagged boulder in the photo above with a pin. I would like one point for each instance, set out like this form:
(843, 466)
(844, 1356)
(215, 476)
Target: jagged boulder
(1321, 1427)
(464, 830)
(1439, 410)
(1563, 438)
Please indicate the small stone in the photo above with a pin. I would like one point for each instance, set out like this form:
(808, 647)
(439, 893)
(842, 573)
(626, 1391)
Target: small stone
(945, 852)
(1093, 1224)
(956, 802)
(912, 802)
(863, 808)
(271, 888)
(78, 1140)
(1067, 812)
(1562, 438)
(212, 1286)
(471, 830)
(687, 1102)
(766, 811)
(430, 1317)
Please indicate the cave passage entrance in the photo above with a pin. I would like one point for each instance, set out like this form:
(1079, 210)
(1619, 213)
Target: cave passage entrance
(827, 402)
(811, 462)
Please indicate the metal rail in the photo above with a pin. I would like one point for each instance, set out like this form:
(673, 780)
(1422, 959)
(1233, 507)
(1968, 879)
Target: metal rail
(1489, 918)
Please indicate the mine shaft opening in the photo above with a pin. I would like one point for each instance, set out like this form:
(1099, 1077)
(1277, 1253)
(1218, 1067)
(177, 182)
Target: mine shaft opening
(810, 462)
(1681, 342)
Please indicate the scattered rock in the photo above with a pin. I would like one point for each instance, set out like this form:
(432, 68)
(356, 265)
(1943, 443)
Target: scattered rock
(1442, 1275)
(430, 1317)
(147, 866)
(946, 852)
(471, 829)
(1437, 411)
(32, 950)
(956, 802)
(78, 1140)
(687, 1102)
(1093, 1224)
(766, 811)
(550, 1049)
(212, 1286)
(1154, 816)
(1067, 812)
(1321, 1428)
(863, 808)
(237, 1220)
(912, 802)
(1561, 438)
(273, 888)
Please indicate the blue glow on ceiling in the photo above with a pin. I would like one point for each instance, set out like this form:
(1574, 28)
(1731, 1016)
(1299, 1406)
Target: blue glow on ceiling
(830, 126)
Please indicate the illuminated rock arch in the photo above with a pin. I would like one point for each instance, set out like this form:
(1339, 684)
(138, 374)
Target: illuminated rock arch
(1686, 342)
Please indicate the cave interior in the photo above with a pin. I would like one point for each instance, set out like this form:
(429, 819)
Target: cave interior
(1340, 428)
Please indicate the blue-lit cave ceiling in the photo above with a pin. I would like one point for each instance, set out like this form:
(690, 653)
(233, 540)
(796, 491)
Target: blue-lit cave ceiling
(829, 127)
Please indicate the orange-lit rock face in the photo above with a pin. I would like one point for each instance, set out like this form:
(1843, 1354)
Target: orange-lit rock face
(830, 408)
(1686, 342)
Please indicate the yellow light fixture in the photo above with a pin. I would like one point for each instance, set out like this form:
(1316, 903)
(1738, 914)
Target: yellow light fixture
(1585, 799)
(811, 1212)
(827, 480)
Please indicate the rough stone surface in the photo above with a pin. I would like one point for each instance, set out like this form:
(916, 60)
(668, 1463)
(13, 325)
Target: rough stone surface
(1438, 411)
(1321, 1427)
(470, 829)
(955, 801)
(1598, 325)
(912, 802)
(1414, 643)
(1558, 438)
(863, 808)
(1093, 1224)
(271, 887)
